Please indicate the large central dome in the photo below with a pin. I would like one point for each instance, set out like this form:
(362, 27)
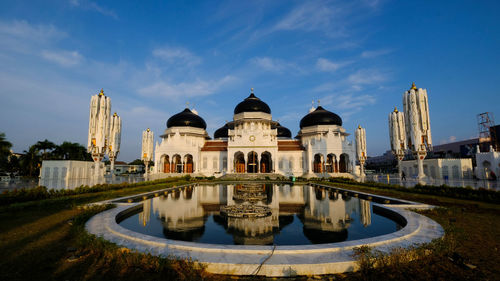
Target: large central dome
(252, 104)
(186, 118)
(320, 116)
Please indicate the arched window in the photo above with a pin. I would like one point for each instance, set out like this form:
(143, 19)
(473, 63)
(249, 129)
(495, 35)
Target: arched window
(214, 163)
(290, 163)
(205, 163)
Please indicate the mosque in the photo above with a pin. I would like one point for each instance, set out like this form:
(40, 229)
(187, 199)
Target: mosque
(253, 143)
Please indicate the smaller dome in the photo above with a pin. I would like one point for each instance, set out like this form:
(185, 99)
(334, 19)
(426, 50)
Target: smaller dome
(320, 116)
(186, 118)
(283, 132)
(222, 132)
(252, 104)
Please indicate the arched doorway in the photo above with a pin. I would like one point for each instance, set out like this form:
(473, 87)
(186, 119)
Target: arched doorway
(344, 163)
(176, 164)
(166, 164)
(318, 163)
(239, 162)
(188, 163)
(253, 162)
(265, 162)
(331, 160)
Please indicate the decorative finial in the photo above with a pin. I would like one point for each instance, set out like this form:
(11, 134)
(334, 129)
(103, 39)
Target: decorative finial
(396, 109)
(147, 130)
(102, 92)
(187, 104)
(318, 102)
(114, 114)
(413, 87)
(359, 126)
(251, 90)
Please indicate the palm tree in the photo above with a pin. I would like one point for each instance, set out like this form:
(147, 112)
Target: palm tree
(4, 151)
(45, 145)
(31, 161)
(71, 151)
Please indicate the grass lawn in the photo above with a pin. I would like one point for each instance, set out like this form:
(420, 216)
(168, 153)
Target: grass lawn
(45, 240)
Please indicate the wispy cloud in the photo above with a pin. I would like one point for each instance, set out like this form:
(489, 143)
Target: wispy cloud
(177, 55)
(185, 89)
(63, 58)
(23, 37)
(308, 17)
(375, 53)
(329, 66)
(367, 77)
(92, 6)
(274, 65)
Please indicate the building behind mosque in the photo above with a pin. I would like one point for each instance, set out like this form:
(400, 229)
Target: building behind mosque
(254, 143)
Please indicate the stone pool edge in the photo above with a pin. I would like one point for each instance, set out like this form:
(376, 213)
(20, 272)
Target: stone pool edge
(272, 261)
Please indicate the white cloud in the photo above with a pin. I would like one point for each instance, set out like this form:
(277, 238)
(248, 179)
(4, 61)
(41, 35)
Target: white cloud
(185, 90)
(176, 55)
(309, 16)
(23, 37)
(63, 58)
(328, 65)
(375, 53)
(348, 101)
(92, 6)
(275, 65)
(367, 77)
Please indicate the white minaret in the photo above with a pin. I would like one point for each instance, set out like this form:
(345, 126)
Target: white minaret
(100, 107)
(397, 134)
(115, 132)
(361, 148)
(147, 148)
(418, 127)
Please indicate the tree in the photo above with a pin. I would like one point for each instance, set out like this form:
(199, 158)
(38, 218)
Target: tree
(45, 145)
(31, 161)
(70, 151)
(4, 151)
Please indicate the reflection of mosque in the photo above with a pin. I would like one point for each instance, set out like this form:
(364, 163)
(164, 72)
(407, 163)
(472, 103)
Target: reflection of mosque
(324, 215)
(254, 143)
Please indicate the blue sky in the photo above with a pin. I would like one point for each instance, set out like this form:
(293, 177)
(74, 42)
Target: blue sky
(151, 57)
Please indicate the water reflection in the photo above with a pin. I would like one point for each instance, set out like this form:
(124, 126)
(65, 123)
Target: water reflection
(298, 215)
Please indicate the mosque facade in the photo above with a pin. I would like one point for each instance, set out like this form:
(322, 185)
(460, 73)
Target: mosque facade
(254, 143)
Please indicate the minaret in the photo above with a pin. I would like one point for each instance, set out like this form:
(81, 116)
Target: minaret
(115, 132)
(397, 135)
(100, 107)
(418, 128)
(147, 148)
(361, 149)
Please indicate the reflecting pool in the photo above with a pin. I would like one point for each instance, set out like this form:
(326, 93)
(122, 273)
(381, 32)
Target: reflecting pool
(258, 214)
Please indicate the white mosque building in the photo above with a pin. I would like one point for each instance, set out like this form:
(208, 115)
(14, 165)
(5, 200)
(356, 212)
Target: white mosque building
(254, 143)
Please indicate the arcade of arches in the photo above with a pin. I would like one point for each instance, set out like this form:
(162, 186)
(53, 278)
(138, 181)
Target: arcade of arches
(178, 164)
(253, 163)
(331, 164)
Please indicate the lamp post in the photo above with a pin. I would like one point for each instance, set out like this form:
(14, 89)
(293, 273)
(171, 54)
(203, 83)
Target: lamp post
(397, 135)
(115, 131)
(147, 148)
(361, 149)
(100, 107)
(418, 128)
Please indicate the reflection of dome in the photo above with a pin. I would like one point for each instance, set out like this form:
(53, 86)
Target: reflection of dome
(186, 118)
(320, 116)
(222, 132)
(252, 104)
(283, 132)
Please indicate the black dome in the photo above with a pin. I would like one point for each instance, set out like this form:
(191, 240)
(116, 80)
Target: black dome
(222, 132)
(320, 116)
(283, 132)
(186, 118)
(252, 104)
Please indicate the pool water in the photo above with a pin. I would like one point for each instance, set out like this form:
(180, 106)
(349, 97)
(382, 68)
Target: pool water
(297, 215)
